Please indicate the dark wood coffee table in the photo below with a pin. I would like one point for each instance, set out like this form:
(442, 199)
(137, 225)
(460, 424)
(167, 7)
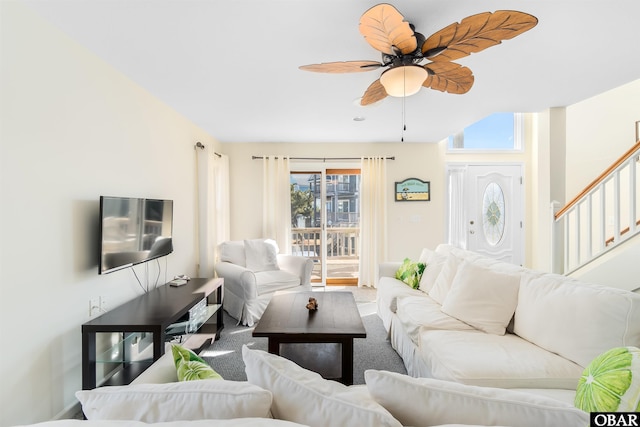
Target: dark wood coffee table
(314, 339)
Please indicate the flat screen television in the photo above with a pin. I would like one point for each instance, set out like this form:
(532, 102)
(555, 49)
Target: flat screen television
(133, 231)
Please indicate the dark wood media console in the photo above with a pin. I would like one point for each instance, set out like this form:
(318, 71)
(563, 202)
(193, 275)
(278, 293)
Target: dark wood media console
(145, 319)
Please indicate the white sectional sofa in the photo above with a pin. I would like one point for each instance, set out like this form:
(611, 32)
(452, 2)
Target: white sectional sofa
(279, 393)
(484, 322)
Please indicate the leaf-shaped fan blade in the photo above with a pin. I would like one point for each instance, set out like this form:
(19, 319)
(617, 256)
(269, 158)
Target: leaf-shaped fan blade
(448, 77)
(342, 67)
(383, 27)
(374, 93)
(475, 33)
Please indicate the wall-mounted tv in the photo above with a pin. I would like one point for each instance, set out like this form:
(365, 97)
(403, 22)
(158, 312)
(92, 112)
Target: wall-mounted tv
(133, 230)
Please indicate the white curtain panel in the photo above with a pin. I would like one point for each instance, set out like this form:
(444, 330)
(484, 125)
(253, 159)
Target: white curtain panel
(276, 197)
(222, 217)
(373, 218)
(213, 207)
(456, 230)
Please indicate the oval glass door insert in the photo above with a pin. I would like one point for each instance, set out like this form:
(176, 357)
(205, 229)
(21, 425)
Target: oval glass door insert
(493, 213)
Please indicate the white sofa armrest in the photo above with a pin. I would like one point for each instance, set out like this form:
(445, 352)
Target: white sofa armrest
(388, 269)
(298, 265)
(237, 279)
(161, 371)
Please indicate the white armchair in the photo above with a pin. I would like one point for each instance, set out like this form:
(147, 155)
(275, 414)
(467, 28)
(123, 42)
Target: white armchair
(253, 271)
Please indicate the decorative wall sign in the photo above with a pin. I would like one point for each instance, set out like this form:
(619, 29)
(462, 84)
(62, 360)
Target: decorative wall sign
(413, 190)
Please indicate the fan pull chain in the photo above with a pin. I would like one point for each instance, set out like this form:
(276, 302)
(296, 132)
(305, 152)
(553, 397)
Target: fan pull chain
(404, 122)
(404, 97)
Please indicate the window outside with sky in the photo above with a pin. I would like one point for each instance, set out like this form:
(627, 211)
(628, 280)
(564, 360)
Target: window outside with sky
(497, 132)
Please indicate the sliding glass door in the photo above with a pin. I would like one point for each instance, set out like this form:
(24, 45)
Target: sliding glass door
(325, 222)
(306, 220)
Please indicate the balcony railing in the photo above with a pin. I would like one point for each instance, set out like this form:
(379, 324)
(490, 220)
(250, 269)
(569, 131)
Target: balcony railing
(341, 249)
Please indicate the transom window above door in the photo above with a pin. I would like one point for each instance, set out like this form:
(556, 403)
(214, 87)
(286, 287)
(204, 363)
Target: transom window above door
(497, 132)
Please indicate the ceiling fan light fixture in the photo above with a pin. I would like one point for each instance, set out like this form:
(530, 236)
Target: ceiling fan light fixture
(405, 80)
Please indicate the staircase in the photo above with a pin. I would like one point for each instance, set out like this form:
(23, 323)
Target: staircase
(599, 230)
(619, 267)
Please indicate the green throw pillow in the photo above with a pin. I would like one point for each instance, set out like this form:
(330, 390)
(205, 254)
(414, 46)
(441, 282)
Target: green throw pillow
(410, 272)
(190, 366)
(611, 382)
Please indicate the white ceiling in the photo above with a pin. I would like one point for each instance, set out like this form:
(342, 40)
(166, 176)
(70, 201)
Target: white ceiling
(232, 66)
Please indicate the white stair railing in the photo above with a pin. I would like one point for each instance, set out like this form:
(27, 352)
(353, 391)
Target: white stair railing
(604, 215)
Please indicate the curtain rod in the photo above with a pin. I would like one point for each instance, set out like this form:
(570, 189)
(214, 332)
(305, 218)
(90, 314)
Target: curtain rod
(324, 159)
(200, 145)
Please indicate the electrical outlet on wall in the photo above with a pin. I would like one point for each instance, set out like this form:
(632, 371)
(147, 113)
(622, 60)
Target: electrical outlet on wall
(103, 304)
(94, 306)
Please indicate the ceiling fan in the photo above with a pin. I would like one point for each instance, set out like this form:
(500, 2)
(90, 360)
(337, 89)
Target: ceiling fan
(386, 30)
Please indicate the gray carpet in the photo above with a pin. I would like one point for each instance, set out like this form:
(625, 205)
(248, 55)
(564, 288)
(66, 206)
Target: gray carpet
(373, 352)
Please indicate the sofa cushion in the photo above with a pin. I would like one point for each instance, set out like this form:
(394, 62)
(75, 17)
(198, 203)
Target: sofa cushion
(443, 282)
(560, 394)
(417, 313)
(236, 422)
(260, 255)
(431, 271)
(574, 319)
(483, 298)
(161, 371)
(189, 400)
(508, 361)
(484, 261)
(275, 280)
(190, 366)
(410, 272)
(305, 397)
(611, 382)
(390, 290)
(233, 252)
(425, 254)
(429, 402)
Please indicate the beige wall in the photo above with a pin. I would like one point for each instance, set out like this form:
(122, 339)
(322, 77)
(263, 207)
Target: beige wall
(72, 129)
(411, 226)
(546, 178)
(605, 124)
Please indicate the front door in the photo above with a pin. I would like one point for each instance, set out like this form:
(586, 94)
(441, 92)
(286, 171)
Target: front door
(492, 213)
